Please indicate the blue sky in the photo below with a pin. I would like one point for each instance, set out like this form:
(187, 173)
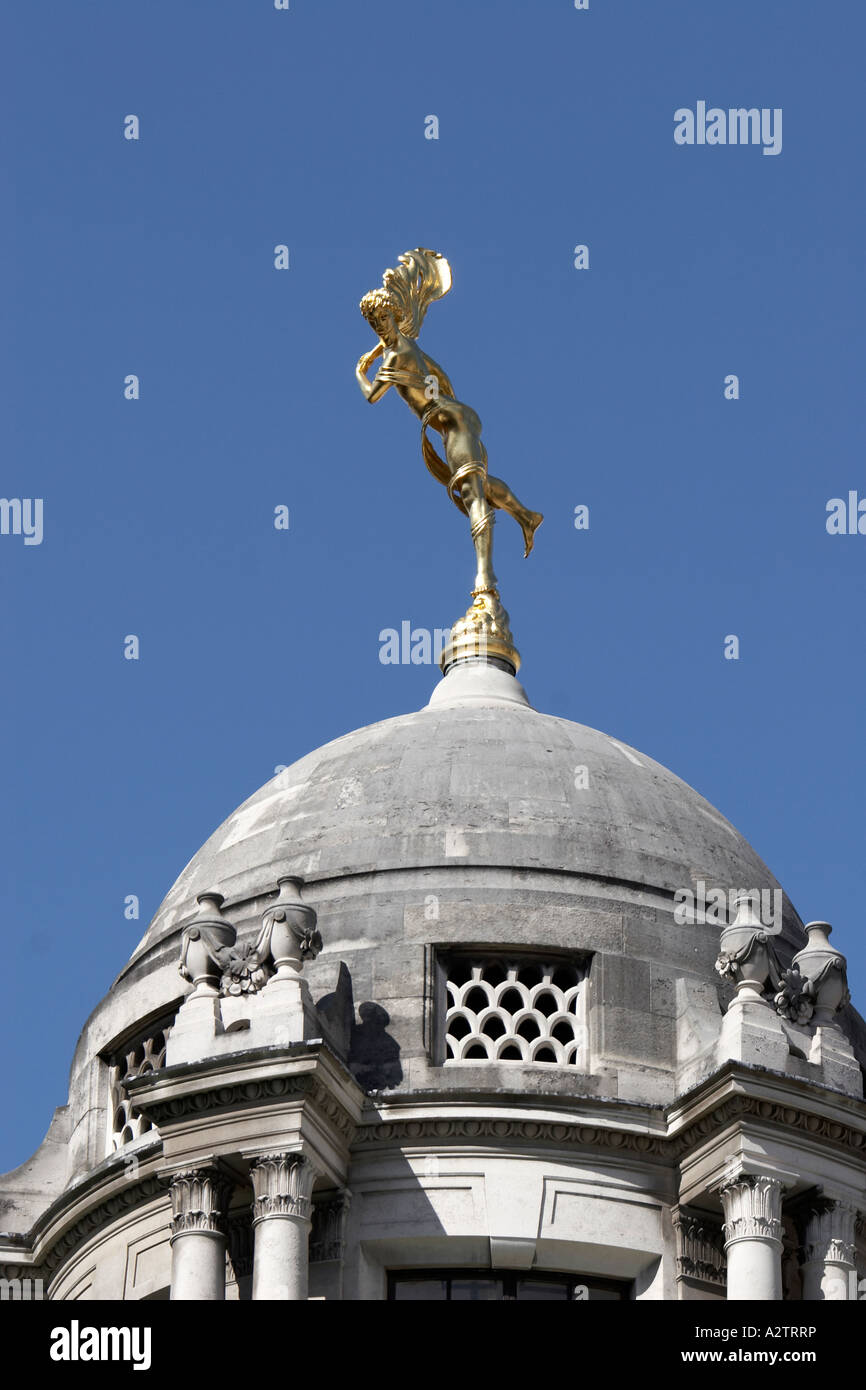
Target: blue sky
(601, 387)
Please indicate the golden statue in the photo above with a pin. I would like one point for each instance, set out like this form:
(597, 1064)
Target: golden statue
(395, 313)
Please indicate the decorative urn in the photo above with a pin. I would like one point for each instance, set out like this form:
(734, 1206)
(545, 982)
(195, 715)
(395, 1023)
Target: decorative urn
(825, 969)
(289, 930)
(745, 952)
(202, 939)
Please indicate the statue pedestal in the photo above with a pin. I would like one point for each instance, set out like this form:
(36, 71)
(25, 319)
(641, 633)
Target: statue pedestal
(752, 1032)
(191, 1036)
(282, 1013)
(483, 633)
(833, 1053)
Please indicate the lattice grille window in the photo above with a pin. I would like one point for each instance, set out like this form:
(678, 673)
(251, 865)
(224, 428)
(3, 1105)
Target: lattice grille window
(133, 1059)
(519, 1010)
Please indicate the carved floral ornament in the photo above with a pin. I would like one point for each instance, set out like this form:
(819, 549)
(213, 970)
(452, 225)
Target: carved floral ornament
(216, 964)
(814, 985)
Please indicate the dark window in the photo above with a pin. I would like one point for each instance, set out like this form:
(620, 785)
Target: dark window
(486, 1286)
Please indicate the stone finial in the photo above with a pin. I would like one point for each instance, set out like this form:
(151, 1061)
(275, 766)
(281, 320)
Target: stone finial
(203, 943)
(825, 969)
(814, 984)
(246, 994)
(289, 934)
(218, 965)
(745, 953)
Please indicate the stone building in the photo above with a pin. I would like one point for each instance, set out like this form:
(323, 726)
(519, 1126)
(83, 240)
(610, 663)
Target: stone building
(458, 1016)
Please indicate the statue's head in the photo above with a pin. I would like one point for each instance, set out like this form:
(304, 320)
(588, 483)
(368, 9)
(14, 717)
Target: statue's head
(407, 289)
(378, 309)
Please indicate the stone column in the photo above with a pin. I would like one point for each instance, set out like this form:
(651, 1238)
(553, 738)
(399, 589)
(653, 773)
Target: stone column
(753, 1236)
(282, 1188)
(829, 1271)
(198, 1243)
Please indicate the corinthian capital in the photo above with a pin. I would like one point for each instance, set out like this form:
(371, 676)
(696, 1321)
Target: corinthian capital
(752, 1204)
(700, 1253)
(327, 1238)
(282, 1185)
(828, 1232)
(199, 1197)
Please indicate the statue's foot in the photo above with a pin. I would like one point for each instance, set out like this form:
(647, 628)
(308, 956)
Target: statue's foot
(529, 526)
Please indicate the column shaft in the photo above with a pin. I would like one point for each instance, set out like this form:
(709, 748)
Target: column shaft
(282, 1187)
(280, 1268)
(198, 1266)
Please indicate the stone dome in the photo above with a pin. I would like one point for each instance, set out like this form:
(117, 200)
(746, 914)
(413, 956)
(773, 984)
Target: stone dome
(478, 779)
(478, 824)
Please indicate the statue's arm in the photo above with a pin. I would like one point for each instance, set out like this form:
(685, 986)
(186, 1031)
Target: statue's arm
(376, 388)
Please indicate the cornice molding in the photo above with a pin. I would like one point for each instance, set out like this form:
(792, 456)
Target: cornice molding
(671, 1147)
(243, 1095)
(121, 1203)
(387, 1128)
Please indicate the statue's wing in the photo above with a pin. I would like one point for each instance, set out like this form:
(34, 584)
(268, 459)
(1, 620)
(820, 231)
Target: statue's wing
(422, 276)
(442, 271)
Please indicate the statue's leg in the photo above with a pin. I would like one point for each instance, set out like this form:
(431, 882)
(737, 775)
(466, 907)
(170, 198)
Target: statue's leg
(499, 494)
(467, 460)
(481, 522)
